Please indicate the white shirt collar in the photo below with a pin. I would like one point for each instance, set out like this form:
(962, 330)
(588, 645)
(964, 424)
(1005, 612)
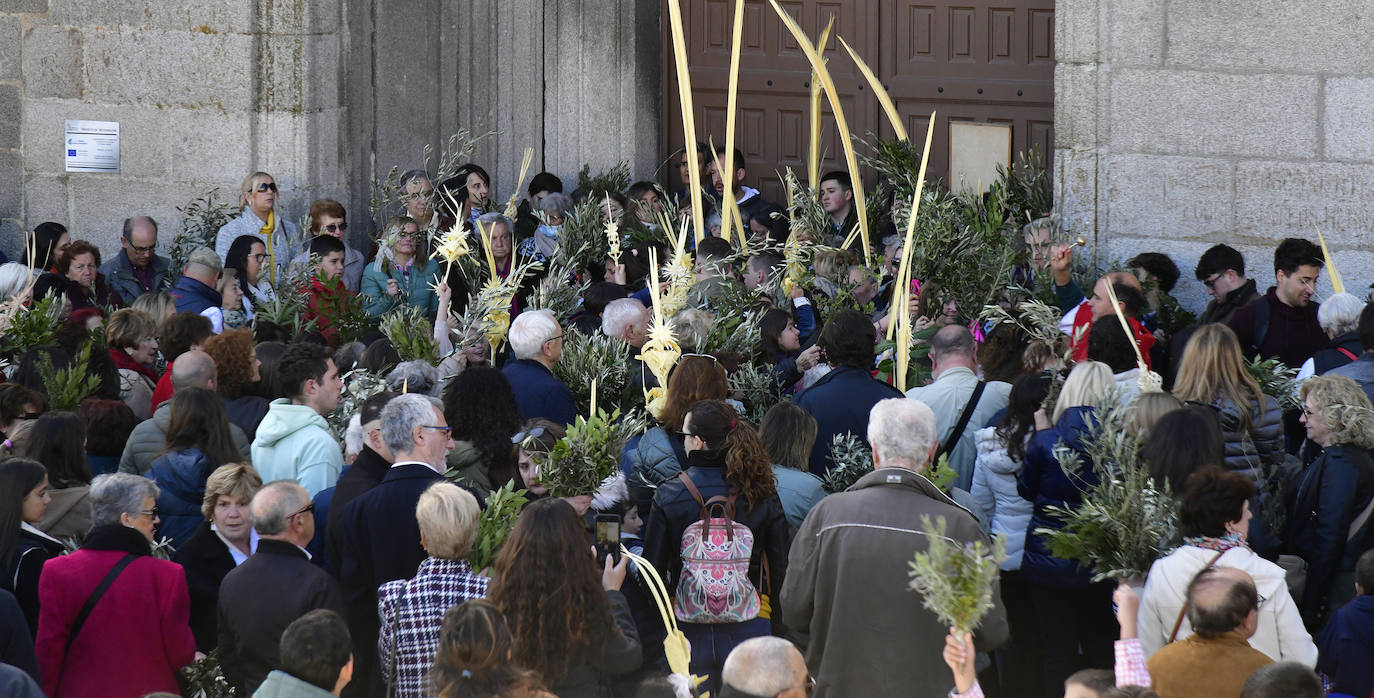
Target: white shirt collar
(234, 551)
(416, 462)
(34, 530)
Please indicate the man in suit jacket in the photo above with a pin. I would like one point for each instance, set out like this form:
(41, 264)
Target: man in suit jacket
(274, 587)
(379, 537)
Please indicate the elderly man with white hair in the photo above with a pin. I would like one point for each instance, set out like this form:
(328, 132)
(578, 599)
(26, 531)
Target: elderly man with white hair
(765, 666)
(537, 340)
(846, 583)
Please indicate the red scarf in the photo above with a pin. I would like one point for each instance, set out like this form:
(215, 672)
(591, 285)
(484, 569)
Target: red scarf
(122, 361)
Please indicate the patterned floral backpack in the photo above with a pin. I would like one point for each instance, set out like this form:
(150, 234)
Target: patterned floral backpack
(714, 586)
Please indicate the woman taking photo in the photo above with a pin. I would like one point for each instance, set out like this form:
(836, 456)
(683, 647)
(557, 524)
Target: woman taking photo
(411, 611)
(136, 635)
(725, 458)
(198, 441)
(132, 336)
(473, 659)
(1077, 627)
(24, 548)
(401, 273)
(1214, 518)
(1330, 524)
(248, 258)
(223, 541)
(574, 629)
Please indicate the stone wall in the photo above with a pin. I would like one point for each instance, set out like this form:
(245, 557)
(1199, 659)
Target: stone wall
(205, 91)
(1185, 123)
(325, 95)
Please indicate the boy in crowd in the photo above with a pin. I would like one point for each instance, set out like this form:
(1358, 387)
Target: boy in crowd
(327, 293)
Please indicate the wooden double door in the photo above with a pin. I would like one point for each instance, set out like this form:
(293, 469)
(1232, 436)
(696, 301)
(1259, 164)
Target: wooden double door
(980, 61)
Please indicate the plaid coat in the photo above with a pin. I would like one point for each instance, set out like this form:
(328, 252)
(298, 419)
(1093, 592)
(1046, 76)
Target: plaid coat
(411, 612)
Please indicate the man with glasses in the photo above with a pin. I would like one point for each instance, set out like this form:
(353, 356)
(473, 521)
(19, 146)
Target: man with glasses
(378, 535)
(259, 218)
(273, 587)
(1222, 270)
(137, 269)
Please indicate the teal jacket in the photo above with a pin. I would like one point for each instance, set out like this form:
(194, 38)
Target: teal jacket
(417, 290)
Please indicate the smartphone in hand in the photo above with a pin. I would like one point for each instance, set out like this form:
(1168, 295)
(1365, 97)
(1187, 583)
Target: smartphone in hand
(607, 537)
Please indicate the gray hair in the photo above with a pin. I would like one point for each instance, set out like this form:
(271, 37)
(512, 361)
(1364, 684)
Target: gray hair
(14, 278)
(415, 376)
(400, 417)
(902, 430)
(620, 314)
(531, 330)
(556, 203)
(760, 666)
(205, 257)
(1340, 314)
(276, 501)
(489, 221)
(114, 494)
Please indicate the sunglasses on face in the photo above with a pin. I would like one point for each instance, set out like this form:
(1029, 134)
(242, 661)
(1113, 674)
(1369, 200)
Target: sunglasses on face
(530, 434)
(335, 227)
(266, 186)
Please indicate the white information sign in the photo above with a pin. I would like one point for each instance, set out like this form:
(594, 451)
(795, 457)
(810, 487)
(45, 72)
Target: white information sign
(92, 146)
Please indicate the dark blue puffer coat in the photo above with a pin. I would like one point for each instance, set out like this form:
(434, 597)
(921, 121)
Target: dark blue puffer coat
(180, 478)
(1043, 483)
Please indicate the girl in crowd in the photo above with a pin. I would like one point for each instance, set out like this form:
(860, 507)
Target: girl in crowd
(248, 258)
(23, 547)
(480, 406)
(473, 660)
(659, 455)
(788, 432)
(58, 442)
(198, 441)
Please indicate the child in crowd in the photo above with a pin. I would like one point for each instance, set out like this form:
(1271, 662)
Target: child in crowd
(327, 295)
(1346, 644)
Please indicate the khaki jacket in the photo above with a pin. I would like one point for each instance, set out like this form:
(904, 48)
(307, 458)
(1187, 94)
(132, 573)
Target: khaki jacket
(1195, 666)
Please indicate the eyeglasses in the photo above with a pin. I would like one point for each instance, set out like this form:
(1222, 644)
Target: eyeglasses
(258, 257)
(1212, 282)
(530, 434)
(335, 227)
(553, 339)
(266, 186)
(307, 508)
(446, 430)
(150, 513)
(143, 250)
(1307, 410)
(810, 684)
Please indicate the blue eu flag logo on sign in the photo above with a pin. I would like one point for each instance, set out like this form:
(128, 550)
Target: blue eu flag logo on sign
(71, 153)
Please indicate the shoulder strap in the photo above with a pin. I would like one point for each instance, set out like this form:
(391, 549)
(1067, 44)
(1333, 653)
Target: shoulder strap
(1261, 322)
(691, 488)
(964, 417)
(94, 598)
(1348, 354)
(1360, 520)
(1178, 623)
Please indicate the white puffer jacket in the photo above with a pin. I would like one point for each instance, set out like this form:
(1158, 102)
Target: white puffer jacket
(994, 488)
(1280, 635)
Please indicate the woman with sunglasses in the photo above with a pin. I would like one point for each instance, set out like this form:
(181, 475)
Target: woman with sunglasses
(401, 273)
(137, 634)
(258, 197)
(328, 217)
(248, 258)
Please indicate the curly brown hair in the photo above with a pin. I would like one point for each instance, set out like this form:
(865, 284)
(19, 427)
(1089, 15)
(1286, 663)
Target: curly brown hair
(547, 585)
(234, 358)
(695, 378)
(747, 466)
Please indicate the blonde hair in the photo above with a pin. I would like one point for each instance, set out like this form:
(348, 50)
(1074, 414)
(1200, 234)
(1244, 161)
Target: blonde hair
(246, 188)
(128, 327)
(396, 225)
(235, 480)
(1147, 409)
(1343, 405)
(1213, 367)
(1088, 382)
(448, 515)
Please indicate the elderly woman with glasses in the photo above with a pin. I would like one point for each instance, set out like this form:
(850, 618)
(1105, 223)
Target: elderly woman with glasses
(1330, 523)
(137, 632)
(223, 541)
(412, 611)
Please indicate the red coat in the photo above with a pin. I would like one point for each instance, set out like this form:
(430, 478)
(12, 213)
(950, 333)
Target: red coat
(134, 640)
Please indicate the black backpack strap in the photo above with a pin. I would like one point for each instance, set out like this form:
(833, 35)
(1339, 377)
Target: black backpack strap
(94, 598)
(1261, 323)
(964, 417)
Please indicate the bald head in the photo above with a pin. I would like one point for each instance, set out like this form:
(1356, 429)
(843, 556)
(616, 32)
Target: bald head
(1220, 600)
(193, 369)
(764, 666)
(952, 347)
(274, 504)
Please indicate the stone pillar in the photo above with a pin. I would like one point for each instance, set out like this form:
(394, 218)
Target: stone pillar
(1183, 124)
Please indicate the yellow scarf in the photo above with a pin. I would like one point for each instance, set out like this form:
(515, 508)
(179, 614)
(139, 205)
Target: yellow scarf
(266, 233)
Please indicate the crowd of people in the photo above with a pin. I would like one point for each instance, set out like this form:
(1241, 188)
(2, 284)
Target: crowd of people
(185, 475)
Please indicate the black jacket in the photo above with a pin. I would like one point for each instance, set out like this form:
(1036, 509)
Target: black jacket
(246, 412)
(367, 470)
(1334, 490)
(1331, 356)
(674, 510)
(21, 578)
(207, 561)
(619, 653)
(258, 599)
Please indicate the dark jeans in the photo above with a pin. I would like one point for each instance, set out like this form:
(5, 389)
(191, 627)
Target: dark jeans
(1020, 662)
(1077, 629)
(712, 643)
